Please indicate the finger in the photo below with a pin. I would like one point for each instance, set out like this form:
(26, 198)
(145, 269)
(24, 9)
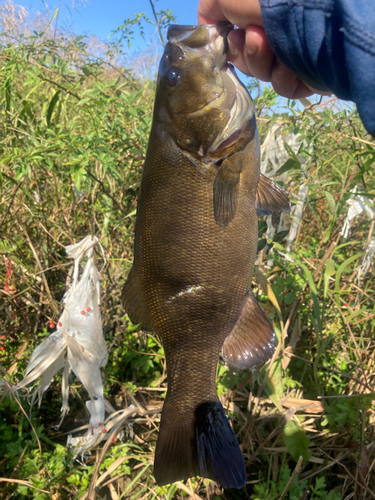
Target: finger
(209, 12)
(237, 12)
(287, 84)
(251, 53)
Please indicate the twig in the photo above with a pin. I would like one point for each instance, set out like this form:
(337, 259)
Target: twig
(288, 415)
(157, 22)
(338, 372)
(104, 190)
(20, 481)
(330, 464)
(14, 393)
(40, 266)
(91, 492)
(351, 475)
(294, 473)
(358, 139)
(11, 202)
(348, 395)
(187, 490)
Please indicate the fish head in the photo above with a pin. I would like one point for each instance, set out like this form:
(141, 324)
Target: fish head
(199, 98)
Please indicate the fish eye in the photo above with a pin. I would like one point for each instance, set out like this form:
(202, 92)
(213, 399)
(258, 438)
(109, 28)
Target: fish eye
(172, 75)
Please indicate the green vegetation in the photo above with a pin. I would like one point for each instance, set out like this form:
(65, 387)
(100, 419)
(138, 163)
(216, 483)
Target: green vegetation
(73, 135)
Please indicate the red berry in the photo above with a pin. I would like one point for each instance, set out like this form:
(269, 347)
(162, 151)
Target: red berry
(345, 305)
(115, 439)
(52, 324)
(3, 337)
(336, 198)
(92, 428)
(82, 312)
(88, 309)
(2, 348)
(310, 267)
(315, 260)
(99, 424)
(27, 310)
(104, 431)
(60, 324)
(351, 297)
(111, 119)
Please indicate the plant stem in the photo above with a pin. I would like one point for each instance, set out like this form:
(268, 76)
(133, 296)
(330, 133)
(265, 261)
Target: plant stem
(157, 22)
(294, 473)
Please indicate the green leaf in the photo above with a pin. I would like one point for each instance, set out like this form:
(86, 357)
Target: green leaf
(288, 165)
(262, 227)
(296, 441)
(289, 298)
(328, 272)
(342, 268)
(280, 236)
(54, 14)
(51, 107)
(331, 202)
(314, 295)
(261, 244)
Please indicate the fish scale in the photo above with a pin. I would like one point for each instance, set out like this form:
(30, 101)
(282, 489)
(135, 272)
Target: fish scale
(195, 246)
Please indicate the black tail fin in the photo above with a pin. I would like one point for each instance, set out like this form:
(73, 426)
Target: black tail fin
(206, 446)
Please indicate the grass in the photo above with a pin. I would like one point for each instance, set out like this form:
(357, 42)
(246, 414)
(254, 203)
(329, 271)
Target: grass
(73, 134)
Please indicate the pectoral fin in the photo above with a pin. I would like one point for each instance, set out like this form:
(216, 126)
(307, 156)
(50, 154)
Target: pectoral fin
(270, 198)
(134, 303)
(252, 340)
(226, 187)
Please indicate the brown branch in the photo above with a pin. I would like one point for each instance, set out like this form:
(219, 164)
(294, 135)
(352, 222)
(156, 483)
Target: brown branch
(11, 202)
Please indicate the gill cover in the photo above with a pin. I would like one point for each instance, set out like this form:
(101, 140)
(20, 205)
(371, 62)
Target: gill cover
(207, 107)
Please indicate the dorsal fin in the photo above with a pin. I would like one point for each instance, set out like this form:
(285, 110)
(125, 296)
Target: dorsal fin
(270, 198)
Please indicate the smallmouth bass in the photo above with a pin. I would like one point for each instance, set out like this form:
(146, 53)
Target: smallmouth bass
(195, 246)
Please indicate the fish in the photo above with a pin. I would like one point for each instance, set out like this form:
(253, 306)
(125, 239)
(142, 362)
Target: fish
(195, 246)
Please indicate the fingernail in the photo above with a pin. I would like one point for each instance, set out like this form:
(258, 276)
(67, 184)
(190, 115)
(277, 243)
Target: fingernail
(251, 42)
(233, 49)
(251, 48)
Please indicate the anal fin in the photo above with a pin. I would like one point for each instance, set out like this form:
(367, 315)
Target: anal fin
(252, 340)
(270, 198)
(134, 303)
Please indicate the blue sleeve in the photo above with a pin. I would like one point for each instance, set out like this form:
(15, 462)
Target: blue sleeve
(330, 44)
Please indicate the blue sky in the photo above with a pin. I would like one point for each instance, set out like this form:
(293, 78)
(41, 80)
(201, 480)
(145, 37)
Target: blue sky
(100, 17)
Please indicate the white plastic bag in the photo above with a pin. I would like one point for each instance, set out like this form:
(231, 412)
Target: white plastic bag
(78, 344)
(357, 204)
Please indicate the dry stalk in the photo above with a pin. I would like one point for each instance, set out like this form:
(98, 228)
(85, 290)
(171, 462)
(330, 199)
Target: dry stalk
(294, 473)
(190, 492)
(20, 481)
(352, 477)
(53, 303)
(11, 202)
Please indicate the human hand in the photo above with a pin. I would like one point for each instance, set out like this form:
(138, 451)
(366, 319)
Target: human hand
(249, 49)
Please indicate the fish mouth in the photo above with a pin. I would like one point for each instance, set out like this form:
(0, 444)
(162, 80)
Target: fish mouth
(241, 113)
(212, 41)
(211, 37)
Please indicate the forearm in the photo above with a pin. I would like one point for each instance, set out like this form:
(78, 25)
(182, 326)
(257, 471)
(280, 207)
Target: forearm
(330, 44)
